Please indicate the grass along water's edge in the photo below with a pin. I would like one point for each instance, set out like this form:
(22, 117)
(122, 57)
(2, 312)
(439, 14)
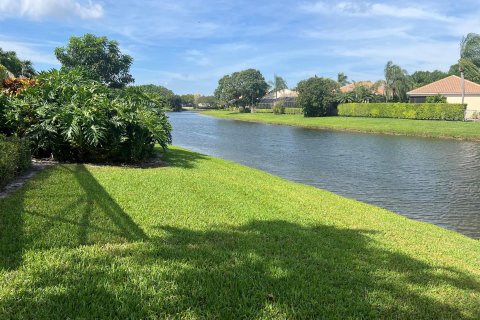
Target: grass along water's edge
(208, 238)
(421, 128)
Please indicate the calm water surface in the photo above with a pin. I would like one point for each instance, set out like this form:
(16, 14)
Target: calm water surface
(432, 180)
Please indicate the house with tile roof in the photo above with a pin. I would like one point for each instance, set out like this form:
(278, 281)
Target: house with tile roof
(380, 90)
(451, 87)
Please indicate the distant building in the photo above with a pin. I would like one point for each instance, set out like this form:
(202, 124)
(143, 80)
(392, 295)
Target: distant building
(451, 87)
(287, 96)
(351, 86)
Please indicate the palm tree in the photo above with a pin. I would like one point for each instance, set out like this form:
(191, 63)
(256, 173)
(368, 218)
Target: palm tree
(277, 84)
(346, 97)
(342, 79)
(397, 82)
(470, 48)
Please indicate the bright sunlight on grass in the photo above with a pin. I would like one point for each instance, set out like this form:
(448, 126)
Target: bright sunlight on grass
(207, 238)
(422, 128)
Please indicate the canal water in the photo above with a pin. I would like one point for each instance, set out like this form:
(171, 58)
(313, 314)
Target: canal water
(433, 180)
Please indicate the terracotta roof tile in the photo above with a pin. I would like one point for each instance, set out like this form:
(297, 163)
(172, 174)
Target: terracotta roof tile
(448, 85)
(349, 87)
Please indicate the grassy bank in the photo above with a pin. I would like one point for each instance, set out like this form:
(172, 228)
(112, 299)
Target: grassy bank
(207, 238)
(423, 128)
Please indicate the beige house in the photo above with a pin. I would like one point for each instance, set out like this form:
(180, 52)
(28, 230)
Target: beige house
(451, 87)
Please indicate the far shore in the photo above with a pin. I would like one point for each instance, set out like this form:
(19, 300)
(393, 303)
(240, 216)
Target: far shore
(458, 130)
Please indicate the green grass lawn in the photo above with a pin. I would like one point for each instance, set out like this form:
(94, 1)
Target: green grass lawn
(423, 128)
(207, 238)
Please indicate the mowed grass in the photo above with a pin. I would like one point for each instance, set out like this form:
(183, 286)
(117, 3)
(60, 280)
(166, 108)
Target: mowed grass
(207, 238)
(422, 128)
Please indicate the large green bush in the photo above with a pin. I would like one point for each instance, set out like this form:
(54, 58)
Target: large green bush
(73, 118)
(278, 108)
(421, 111)
(14, 158)
(317, 96)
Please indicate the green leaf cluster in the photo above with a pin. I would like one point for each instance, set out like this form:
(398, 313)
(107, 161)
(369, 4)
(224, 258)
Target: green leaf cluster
(71, 117)
(99, 57)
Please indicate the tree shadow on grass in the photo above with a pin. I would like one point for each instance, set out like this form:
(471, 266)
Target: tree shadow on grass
(182, 158)
(11, 226)
(86, 215)
(281, 269)
(264, 269)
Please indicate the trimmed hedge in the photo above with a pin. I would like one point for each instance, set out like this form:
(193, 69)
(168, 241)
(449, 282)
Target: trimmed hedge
(419, 111)
(293, 111)
(15, 157)
(263, 111)
(287, 111)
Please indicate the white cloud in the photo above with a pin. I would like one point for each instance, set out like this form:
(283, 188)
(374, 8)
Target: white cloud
(37, 53)
(38, 9)
(373, 9)
(197, 57)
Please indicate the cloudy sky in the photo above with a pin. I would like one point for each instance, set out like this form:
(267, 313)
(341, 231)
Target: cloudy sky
(188, 45)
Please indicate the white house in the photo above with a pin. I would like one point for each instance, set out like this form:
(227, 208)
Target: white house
(451, 87)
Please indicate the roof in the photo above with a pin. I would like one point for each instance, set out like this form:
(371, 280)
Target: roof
(448, 85)
(351, 86)
(285, 93)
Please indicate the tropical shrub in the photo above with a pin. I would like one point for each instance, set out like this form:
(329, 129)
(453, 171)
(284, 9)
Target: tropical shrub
(278, 108)
(317, 96)
(70, 117)
(15, 157)
(421, 111)
(16, 85)
(438, 98)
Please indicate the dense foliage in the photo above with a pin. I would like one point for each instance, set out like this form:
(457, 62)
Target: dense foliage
(242, 88)
(101, 58)
(10, 61)
(15, 157)
(438, 98)
(422, 111)
(317, 96)
(72, 117)
(421, 78)
(361, 93)
(173, 101)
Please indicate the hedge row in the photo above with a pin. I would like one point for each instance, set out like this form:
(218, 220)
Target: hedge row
(420, 111)
(287, 111)
(15, 157)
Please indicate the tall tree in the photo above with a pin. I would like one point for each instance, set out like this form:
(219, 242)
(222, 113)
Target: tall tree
(16, 66)
(278, 84)
(342, 79)
(100, 57)
(397, 82)
(421, 78)
(242, 88)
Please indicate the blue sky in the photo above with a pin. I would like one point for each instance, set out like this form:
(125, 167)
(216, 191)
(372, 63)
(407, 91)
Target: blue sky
(188, 45)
